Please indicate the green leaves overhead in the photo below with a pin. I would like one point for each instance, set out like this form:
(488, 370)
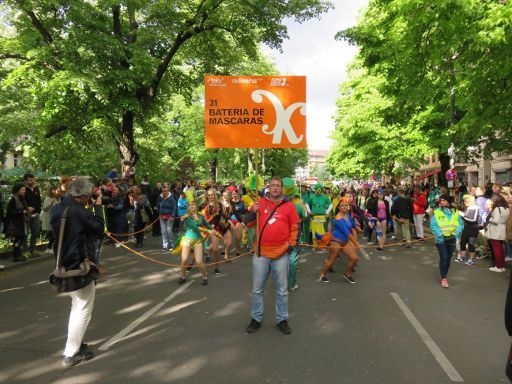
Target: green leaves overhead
(443, 69)
(107, 67)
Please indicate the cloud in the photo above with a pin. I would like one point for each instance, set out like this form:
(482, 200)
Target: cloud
(312, 51)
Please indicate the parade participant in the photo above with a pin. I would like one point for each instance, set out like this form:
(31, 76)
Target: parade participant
(237, 219)
(194, 225)
(33, 199)
(305, 232)
(343, 237)
(371, 209)
(382, 215)
(496, 230)
(249, 199)
(51, 200)
(213, 214)
(318, 205)
(226, 213)
(401, 211)
(166, 206)
(419, 204)
(16, 222)
(471, 220)
(79, 225)
(278, 229)
(290, 190)
(446, 225)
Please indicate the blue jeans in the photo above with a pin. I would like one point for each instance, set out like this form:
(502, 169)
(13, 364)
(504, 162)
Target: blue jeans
(261, 267)
(166, 227)
(445, 254)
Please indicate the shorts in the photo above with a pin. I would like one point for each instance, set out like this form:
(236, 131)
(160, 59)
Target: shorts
(191, 242)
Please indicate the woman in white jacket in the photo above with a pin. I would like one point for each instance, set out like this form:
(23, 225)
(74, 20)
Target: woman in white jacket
(496, 231)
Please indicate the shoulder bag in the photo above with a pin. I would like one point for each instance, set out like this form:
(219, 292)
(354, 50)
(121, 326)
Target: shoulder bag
(74, 279)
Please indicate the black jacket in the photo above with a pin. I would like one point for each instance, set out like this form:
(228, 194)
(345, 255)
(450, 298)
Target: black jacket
(372, 206)
(80, 225)
(33, 198)
(16, 221)
(402, 208)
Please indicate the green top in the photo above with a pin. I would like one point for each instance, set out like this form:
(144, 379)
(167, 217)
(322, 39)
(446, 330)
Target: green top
(192, 226)
(319, 203)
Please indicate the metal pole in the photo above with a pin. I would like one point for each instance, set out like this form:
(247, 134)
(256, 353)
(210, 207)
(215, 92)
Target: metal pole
(258, 195)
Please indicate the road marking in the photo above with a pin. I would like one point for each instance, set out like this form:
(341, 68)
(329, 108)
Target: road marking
(11, 289)
(142, 318)
(429, 342)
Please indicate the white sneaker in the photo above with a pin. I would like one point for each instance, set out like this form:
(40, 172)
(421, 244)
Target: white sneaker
(118, 245)
(496, 269)
(294, 288)
(49, 251)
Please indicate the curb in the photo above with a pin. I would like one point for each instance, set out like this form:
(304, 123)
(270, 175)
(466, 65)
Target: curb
(8, 264)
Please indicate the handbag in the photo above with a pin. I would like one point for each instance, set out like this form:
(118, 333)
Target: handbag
(74, 279)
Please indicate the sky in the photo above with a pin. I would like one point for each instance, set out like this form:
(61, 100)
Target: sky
(311, 50)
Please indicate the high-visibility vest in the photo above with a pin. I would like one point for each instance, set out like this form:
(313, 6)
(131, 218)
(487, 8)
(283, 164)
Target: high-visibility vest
(448, 227)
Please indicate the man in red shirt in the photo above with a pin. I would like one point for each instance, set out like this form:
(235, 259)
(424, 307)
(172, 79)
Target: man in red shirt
(278, 230)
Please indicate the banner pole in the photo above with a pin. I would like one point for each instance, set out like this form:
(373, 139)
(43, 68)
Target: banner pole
(256, 166)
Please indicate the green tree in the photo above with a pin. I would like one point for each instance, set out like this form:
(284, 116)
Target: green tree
(365, 143)
(97, 71)
(446, 67)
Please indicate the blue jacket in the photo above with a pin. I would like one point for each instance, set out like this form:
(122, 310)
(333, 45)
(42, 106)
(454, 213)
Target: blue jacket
(438, 234)
(166, 206)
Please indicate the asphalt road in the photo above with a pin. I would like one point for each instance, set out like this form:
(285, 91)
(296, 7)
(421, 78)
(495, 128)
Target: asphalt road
(395, 325)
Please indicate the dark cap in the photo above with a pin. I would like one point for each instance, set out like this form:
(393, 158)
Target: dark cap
(446, 197)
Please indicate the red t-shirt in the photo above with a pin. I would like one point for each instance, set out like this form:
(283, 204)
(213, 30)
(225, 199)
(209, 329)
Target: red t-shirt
(279, 228)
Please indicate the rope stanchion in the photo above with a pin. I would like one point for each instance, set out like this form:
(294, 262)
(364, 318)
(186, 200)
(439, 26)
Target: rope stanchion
(366, 246)
(134, 233)
(171, 265)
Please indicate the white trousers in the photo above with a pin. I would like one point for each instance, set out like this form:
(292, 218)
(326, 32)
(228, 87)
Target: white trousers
(418, 224)
(82, 302)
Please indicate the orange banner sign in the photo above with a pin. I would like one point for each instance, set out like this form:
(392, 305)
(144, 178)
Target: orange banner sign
(255, 111)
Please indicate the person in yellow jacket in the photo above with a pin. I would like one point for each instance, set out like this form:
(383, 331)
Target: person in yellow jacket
(446, 225)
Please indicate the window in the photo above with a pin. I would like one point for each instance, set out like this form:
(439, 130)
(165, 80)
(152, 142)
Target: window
(501, 177)
(16, 160)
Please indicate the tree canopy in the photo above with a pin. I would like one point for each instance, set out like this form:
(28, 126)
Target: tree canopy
(96, 74)
(441, 72)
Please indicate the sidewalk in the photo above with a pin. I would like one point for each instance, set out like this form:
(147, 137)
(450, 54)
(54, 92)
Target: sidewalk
(6, 262)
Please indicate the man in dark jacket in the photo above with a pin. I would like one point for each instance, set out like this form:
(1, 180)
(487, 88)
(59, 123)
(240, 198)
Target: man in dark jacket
(401, 211)
(33, 199)
(81, 225)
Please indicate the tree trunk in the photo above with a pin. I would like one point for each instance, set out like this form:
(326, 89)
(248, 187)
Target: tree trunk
(444, 159)
(263, 167)
(212, 165)
(126, 144)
